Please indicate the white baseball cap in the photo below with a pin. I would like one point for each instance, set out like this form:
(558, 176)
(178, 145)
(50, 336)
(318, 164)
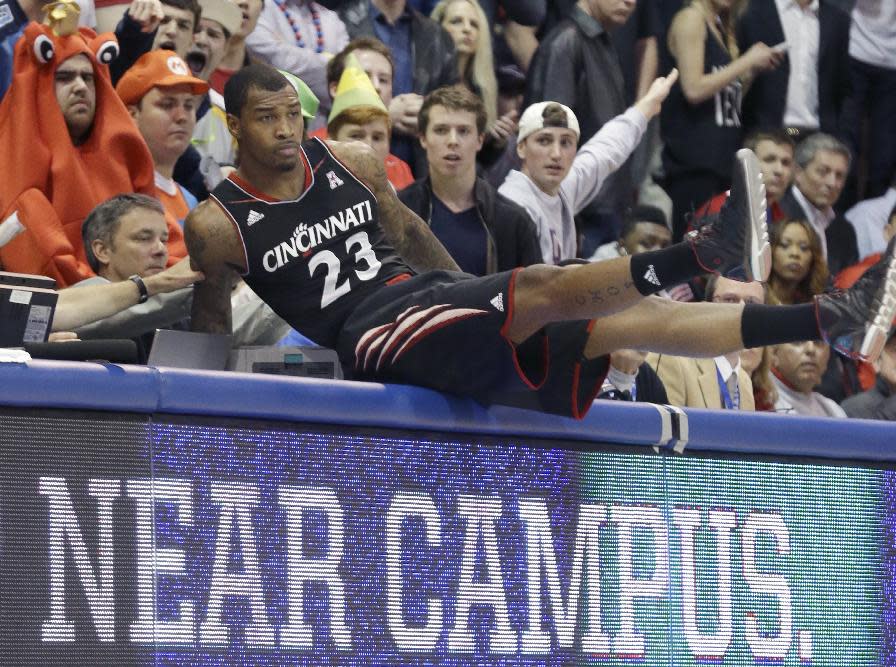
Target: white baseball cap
(532, 119)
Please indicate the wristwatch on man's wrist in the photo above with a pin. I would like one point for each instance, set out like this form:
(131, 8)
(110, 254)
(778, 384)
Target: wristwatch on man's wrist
(141, 286)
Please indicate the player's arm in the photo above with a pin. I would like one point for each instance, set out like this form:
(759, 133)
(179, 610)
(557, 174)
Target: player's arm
(408, 234)
(215, 250)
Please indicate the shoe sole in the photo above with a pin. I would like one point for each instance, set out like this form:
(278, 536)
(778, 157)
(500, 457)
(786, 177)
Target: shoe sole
(758, 251)
(880, 321)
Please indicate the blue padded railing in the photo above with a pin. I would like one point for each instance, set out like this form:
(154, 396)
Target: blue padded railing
(139, 389)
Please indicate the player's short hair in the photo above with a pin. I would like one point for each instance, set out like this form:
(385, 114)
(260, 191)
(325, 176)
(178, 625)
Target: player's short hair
(776, 135)
(453, 98)
(336, 65)
(807, 149)
(103, 221)
(189, 5)
(642, 213)
(360, 115)
(256, 75)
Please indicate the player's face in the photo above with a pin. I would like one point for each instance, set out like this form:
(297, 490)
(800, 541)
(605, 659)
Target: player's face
(646, 236)
(547, 157)
(822, 180)
(375, 134)
(175, 32)
(801, 364)
(166, 118)
(776, 162)
(139, 246)
(76, 94)
(269, 128)
(451, 142)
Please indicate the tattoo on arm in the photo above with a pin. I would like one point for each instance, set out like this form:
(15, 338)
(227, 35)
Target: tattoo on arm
(408, 234)
(211, 298)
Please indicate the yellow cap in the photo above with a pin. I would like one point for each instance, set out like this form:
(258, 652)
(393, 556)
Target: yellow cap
(355, 89)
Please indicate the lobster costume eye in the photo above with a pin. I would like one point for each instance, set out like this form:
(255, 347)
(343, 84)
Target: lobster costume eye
(43, 49)
(107, 52)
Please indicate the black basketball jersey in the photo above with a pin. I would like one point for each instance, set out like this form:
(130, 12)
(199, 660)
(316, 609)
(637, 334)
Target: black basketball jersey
(313, 259)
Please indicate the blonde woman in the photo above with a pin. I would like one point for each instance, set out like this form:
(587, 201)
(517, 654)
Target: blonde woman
(468, 26)
(701, 119)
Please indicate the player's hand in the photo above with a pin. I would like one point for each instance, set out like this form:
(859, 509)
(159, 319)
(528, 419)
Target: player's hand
(173, 278)
(403, 110)
(652, 101)
(148, 13)
(504, 127)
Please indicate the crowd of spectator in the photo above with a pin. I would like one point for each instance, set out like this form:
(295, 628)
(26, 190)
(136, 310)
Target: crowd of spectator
(109, 140)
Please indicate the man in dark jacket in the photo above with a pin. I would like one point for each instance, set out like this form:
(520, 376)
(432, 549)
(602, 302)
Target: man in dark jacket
(424, 59)
(483, 231)
(808, 90)
(822, 163)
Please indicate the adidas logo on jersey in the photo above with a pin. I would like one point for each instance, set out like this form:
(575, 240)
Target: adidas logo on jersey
(335, 181)
(254, 216)
(651, 276)
(498, 302)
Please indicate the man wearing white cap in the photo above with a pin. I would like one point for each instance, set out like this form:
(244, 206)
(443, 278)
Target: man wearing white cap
(556, 182)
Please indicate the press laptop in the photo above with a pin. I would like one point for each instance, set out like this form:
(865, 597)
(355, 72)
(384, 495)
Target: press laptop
(190, 349)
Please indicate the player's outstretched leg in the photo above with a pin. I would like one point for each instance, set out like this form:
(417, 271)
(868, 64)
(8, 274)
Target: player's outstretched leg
(735, 242)
(857, 321)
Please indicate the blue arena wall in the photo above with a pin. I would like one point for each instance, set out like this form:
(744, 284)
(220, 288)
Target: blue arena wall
(165, 517)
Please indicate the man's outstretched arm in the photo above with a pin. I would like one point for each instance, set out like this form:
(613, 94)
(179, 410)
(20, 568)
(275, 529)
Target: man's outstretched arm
(408, 234)
(80, 306)
(214, 249)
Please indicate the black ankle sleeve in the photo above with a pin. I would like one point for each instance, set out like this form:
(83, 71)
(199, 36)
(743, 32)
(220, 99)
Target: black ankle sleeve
(762, 325)
(657, 270)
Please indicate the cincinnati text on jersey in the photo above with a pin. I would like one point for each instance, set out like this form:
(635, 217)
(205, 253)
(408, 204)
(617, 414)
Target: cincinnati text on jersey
(307, 237)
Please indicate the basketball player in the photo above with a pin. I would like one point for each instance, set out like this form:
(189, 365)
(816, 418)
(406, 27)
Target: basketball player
(317, 231)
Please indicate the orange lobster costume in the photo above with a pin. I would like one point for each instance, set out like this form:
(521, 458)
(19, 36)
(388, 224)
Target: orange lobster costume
(48, 185)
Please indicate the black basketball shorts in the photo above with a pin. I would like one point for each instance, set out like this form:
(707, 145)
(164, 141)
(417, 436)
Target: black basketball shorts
(447, 331)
